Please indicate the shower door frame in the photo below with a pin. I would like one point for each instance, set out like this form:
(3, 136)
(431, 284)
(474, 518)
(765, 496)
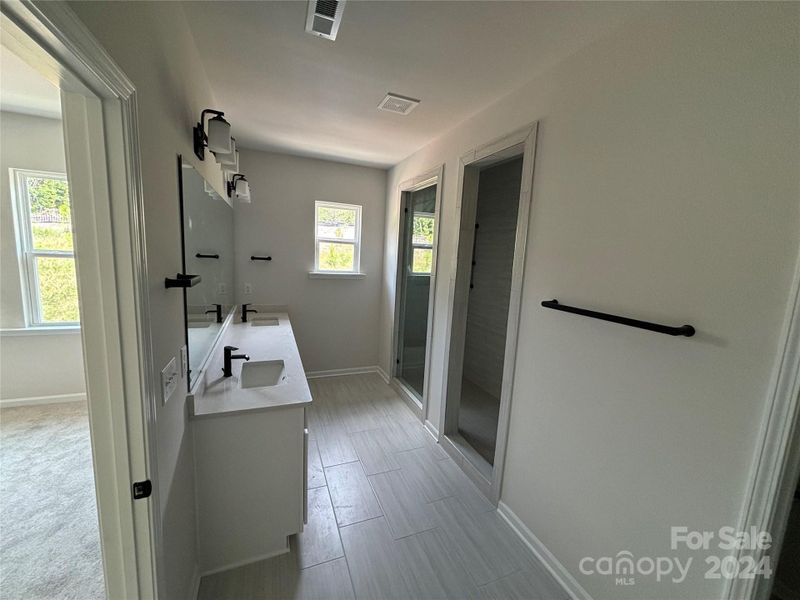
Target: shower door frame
(434, 176)
(521, 142)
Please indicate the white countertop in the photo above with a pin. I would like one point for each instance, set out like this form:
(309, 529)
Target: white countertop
(218, 395)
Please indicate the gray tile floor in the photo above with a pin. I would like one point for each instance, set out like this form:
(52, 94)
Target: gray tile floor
(390, 516)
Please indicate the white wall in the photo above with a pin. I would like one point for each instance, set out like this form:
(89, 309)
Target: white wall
(152, 44)
(335, 322)
(666, 188)
(36, 143)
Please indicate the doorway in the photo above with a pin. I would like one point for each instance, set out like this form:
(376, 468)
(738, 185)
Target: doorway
(50, 545)
(495, 206)
(117, 452)
(416, 281)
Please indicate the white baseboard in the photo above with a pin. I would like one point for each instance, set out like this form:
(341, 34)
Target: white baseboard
(34, 400)
(383, 374)
(432, 429)
(348, 371)
(550, 562)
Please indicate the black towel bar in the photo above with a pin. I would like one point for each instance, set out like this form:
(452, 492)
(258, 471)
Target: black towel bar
(200, 255)
(685, 330)
(260, 258)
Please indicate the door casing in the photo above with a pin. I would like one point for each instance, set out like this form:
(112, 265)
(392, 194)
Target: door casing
(522, 142)
(434, 176)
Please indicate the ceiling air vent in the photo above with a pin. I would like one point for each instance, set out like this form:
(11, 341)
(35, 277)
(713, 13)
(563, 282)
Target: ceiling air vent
(324, 17)
(398, 104)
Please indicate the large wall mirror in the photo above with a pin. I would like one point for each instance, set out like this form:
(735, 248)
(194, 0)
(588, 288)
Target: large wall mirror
(208, 252)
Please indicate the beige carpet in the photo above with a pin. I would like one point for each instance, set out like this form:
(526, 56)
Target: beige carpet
(49, 540)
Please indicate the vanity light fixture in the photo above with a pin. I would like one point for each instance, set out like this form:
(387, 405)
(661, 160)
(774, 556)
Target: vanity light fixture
(239, 187)
(233, 166)
(226, 159)
(214, 135)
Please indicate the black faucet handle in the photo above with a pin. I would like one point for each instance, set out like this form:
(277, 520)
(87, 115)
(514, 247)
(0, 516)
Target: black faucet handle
(231, 348)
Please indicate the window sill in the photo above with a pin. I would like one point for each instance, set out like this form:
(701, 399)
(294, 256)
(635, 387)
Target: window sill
(335, 275)
(54, 330)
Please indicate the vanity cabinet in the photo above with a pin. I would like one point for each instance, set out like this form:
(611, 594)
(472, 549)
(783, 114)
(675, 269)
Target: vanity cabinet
(250, 471)
(250, 448)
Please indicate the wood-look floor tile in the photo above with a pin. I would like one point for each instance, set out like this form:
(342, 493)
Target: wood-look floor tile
(371, 452)
(335, 447)
(430, 568)
(404, 435)
(327, 581)
(466, 491)
(526, 584)
(404, 506)
(351, 494)
(319, 541)
(425, 472)
(482, 541)
(316, 475)
(373, 560)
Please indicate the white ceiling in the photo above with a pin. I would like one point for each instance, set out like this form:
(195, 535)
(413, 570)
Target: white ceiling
(283, 89)
(25, 90)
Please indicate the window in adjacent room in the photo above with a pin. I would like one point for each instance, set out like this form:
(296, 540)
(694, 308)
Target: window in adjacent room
(422, 243)
(45, 246)
(337, 235)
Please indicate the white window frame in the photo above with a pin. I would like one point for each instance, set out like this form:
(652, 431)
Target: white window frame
(26, 254)
(356, 243)
(414, 245)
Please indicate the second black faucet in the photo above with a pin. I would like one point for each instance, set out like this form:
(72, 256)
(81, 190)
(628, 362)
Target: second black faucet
(246, 310)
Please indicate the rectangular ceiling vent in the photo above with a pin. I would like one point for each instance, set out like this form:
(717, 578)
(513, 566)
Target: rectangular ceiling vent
(398, 104)
(324, 17)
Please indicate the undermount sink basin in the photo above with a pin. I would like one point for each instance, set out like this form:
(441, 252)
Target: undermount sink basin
(265, 322)
(262, 373)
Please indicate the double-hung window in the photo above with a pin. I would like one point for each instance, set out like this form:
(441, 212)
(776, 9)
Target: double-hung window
(422, 243)
(337, 233)
(43, 222)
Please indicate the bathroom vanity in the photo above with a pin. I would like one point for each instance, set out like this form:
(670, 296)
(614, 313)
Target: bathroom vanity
(250, 444)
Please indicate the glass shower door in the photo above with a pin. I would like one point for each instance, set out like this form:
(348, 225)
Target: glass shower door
(416, 265)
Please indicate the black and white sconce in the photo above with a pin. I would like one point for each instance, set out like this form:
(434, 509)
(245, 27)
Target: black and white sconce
(238, 187)
(214, 134)
(229, 161)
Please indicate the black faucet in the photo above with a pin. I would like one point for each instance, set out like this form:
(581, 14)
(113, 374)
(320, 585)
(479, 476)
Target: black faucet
(226, 370)
(217, 310)
(246, 310)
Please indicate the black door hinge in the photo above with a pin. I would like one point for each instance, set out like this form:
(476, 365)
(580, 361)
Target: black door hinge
(142, 489)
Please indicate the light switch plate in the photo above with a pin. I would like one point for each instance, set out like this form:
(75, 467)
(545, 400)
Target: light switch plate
(169, 380)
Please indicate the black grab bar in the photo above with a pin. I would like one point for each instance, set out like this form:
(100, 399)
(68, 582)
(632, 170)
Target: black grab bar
(685, 330)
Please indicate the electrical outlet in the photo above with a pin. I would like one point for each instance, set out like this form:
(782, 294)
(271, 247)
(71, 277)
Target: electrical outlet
(248, 289)
(169, 380)
(184, 361)
(222, 288)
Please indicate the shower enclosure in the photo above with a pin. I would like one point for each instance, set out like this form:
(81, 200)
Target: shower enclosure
(415, 277)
